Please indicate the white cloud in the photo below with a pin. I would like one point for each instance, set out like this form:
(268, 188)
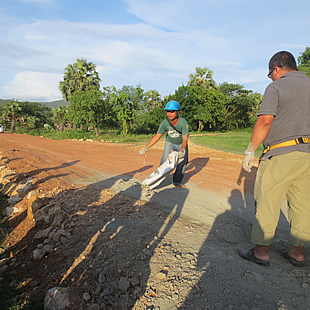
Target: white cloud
(172, 38)
(33, 86)
(130, 50)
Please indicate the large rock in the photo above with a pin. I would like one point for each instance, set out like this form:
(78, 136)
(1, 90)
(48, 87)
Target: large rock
(14, 199)
(43, 233)
(38, 254)
(58, 219)
(47, 214)
(6, 174)
(36, 205)
(17, 192)
(24, 188)
(11, 210)
(58, 298)
(123, 284)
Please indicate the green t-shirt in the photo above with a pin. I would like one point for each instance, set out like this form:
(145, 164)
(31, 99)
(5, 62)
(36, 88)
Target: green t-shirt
(172, 135)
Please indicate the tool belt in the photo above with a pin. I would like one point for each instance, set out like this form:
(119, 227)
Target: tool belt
(301, 140)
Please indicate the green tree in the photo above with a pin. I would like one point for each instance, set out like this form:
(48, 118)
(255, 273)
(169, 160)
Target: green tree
(149, 122)
(11, 112)
(256, 99)
(90, 108)
(304, 61)
(59, 115)
(78, 77)
(33, 115)
(228, 107)
(127, 102)
(31, 122)
(152, 99)
(203, 77)
(239, 105)
(200, 107)
(5, 119)
(209, 107)
(201, 112)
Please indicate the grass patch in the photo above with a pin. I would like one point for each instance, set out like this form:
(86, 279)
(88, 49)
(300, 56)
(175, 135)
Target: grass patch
(112, 137)
(29, 302)
(232, 142)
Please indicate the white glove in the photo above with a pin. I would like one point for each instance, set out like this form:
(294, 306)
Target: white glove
(181, 154)
(248, 161)
(143, 151)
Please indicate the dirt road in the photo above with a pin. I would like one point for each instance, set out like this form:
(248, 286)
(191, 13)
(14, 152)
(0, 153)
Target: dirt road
(171, 249)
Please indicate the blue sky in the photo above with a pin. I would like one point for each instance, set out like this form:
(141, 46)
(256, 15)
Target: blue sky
(154, 43)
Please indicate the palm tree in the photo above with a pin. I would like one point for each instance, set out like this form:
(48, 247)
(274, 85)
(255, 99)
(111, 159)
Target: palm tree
(203, 78)
(152, 100)
(11, 111)
(31, 121)
(59, 116)
(78, 77)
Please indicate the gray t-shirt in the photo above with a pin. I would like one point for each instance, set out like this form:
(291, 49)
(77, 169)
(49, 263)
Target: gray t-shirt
(172, 135)
(288, 99)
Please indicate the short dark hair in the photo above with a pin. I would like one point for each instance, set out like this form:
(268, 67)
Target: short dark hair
(283, 59)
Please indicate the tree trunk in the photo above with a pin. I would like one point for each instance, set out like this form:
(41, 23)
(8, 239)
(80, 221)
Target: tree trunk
(13, 124)
(61, 127)
(125, 129)
(96, 131)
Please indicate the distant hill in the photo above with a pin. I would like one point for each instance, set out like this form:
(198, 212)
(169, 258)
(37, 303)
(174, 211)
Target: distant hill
(51, 104)
(55, 104)
(3, 102)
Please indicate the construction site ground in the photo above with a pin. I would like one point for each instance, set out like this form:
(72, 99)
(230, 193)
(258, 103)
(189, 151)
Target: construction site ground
(168, 248)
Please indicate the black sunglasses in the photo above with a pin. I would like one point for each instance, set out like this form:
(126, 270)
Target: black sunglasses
(269, 74)
(170, 111)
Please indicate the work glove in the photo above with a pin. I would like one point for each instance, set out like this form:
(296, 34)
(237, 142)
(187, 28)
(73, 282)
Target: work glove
(248, 160)
(181, 154)
(143, 151)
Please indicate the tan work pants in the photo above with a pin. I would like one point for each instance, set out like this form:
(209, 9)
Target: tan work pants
(284, 175)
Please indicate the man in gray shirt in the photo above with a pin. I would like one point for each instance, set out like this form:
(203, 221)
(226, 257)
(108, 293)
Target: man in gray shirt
(283, 126)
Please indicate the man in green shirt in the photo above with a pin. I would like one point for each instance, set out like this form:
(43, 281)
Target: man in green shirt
(176, 128)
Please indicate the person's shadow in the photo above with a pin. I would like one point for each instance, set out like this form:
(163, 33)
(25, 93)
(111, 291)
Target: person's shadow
(126, 242)
(216, 260)
(195, 166)
(223, 275)
(247, 180)
(113, 239)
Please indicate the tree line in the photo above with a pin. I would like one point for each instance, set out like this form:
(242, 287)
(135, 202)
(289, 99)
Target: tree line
(205, 105)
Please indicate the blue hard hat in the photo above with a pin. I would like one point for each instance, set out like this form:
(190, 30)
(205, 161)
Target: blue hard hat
(172, 105)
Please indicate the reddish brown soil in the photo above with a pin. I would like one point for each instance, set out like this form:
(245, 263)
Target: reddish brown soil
(71, 170)
(70, 161)
(61, 163)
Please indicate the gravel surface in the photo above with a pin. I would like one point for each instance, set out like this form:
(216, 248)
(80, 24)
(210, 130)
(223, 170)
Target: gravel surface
(110, 245)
